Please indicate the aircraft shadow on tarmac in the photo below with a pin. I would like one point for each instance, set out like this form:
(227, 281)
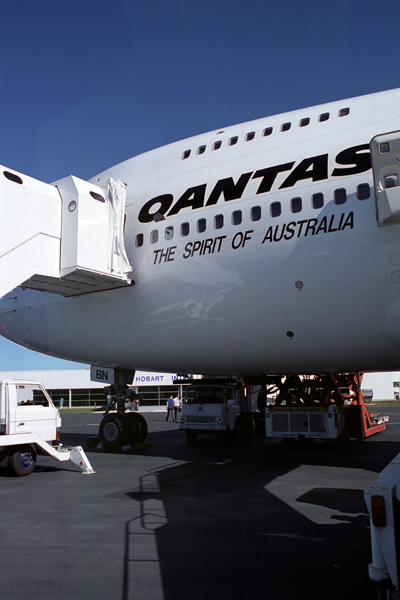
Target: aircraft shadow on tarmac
(237, 521)
(219, 533)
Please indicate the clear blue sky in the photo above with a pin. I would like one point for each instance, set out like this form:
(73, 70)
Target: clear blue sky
(86, 84)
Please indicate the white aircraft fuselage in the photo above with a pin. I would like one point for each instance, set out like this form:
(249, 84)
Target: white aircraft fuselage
(257, 252)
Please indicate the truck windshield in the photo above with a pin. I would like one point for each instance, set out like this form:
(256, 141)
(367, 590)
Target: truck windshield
(204, 395)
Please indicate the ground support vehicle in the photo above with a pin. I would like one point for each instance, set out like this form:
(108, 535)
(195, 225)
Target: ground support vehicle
(218, 405)
(30, 424)
(323, 406)
(383, 502)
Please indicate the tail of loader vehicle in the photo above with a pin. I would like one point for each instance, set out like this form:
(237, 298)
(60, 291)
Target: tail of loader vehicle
(29, 425)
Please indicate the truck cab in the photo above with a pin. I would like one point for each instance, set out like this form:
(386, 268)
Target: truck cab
(25, 406)
(214, 408)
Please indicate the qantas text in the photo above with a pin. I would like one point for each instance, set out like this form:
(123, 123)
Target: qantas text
(315, 168)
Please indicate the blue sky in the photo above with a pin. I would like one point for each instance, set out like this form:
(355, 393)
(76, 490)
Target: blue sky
(86, 84)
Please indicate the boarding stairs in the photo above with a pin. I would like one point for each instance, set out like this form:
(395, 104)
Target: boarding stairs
(65, 238)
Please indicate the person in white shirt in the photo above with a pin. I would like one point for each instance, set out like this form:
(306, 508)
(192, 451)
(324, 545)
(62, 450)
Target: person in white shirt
(177, 404)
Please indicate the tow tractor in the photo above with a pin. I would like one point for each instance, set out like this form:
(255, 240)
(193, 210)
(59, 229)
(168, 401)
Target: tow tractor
(323, 406)
(30, 424)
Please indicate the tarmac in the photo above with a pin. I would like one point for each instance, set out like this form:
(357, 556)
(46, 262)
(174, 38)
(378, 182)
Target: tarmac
(179, 520)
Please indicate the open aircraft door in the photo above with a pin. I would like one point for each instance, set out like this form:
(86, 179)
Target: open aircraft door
(385, 158)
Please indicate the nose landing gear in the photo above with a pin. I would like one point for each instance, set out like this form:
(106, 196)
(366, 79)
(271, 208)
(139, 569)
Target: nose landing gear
(120, 428)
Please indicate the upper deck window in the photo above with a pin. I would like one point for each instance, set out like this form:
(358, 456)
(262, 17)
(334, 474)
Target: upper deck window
(233, 141)
(186, 154)
(250, 136)
(201, 149)
(255, 213)
(154, 236)
(286, 126)
(323, 117)
(139, 240)
(304, 122)
(343, 112)
(217, 145)
(267, 131)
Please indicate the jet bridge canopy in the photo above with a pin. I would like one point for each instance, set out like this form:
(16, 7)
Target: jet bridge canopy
(65, 238)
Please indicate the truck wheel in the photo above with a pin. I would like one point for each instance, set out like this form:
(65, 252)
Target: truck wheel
(113, 435)
(140, 425)
(191, 434)
(22, 460)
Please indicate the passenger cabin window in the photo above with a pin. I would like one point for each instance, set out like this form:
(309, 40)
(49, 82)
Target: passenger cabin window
(169, 233)
(339, 196)
(250, 136)
(154, 236)
(255, 213)
(267, 131)
(201, 225)
(185, 229)
(217, 145)
(218, 221)
(201, 149)
(275, 209)
(139, 240)
(323, 117)
(233, 141)
(186, 154)
(391, 181)
(304, 122)
(295, 205)
(363, 191)
(236, 217)
(343, 112)
(286, 126)
(317, 200)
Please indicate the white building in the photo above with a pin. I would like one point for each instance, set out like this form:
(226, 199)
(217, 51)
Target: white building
(76, 388)
(381, 384)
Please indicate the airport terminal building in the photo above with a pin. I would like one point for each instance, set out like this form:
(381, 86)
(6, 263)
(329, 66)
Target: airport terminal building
(77, 390)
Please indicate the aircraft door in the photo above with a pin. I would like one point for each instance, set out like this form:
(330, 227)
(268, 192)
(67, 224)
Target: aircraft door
(385, 158)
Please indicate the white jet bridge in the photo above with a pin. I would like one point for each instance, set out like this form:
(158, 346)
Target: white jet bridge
(65, 238)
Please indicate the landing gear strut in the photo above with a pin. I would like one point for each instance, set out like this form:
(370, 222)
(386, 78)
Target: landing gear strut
(119, 428)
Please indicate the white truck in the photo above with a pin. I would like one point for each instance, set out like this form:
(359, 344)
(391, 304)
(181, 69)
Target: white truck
(217, 406)
(383, 502)
(30, 424)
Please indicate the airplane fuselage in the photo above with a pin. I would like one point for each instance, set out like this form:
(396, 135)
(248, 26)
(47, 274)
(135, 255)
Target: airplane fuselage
(256, 252)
